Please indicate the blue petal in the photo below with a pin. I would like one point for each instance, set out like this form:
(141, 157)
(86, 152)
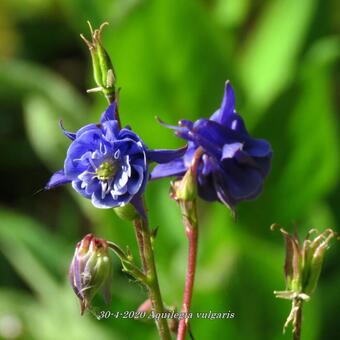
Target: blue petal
(110, 130)
(189, 154)
(215, 133)
(106, 202)
(186, 123)
(236, 123)
(135, 182)
(90, 127)
(258, 148)
(137, 202)
(227, 107)
(229, 150)
(174, 168)
(57, 179)
(206, 188)
(70, 135)
(127, 133)
(77, 158)
(263, 165)
(240, 182)
(78, 186)
(109, 113)
(222, 193)
(243, 158)
(165, 156)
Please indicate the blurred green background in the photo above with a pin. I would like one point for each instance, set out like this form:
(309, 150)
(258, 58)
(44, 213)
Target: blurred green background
(172, 59)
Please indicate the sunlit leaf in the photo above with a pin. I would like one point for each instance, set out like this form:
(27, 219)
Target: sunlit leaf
(270, 56)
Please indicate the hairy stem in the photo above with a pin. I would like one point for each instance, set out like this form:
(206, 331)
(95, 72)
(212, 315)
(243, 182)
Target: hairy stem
(189, 213)
(147, 256)
(140, 241)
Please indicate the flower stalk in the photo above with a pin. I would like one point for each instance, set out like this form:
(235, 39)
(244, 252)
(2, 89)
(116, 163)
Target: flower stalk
(184, 191)
(191, 229)
(143, 236)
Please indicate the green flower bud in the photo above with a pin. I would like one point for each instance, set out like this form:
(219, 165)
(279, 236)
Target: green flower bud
(103, 71)
(91, 270)
(126, 212)
(185, 189)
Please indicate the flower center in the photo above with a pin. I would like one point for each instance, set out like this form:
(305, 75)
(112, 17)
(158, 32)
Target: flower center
(107, 170)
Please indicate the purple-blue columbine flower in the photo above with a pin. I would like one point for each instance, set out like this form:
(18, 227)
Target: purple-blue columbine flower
(107, 164)
(233, 165)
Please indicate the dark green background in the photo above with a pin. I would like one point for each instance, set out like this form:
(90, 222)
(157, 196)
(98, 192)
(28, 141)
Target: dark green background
(172, 59)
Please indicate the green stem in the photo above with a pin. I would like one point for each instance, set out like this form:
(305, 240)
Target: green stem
(146, 251)
(128, 265)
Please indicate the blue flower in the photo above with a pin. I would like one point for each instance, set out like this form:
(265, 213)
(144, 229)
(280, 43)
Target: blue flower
(107, 164)
(233, 165)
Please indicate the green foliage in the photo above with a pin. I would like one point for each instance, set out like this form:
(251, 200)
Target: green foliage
(171, 59)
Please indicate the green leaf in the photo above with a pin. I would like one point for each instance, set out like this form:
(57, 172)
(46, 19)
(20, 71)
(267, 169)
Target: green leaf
(270, 56)
(312, 167)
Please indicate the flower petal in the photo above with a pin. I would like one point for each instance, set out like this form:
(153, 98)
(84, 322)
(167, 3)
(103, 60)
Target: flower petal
(106, 202)
(239, 182)
(136, 180)
(227, 107)
(110, 130)
(81, 188)
(229, 150)
(173, 168)
(214, 133)
(137, 202)
(236, 123)
(68, 134)
(109, 113)
(206, 188)
(258, 148)
(57, 179)
(165, 156)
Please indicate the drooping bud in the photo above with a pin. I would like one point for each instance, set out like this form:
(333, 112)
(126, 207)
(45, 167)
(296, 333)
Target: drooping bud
(103, 71)
(302, 268)
(91, 270)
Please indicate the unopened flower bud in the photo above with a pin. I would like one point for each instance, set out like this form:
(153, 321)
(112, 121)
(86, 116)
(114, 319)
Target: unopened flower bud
(90, 270)
(127, 212)
(185, 189)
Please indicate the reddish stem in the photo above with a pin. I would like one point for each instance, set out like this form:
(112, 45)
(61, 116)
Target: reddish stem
(189, 213)
(192, 235)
